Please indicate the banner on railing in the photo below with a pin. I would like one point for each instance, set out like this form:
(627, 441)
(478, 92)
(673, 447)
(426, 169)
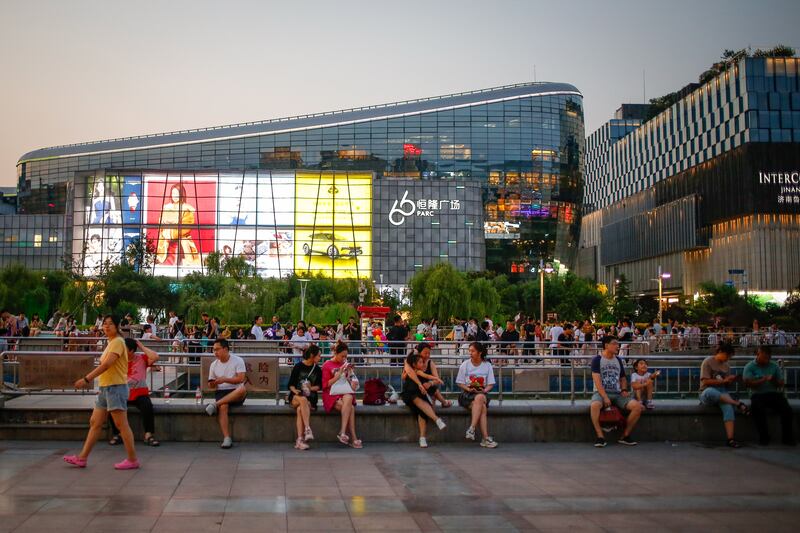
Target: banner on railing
(261, 374)
(58, 372)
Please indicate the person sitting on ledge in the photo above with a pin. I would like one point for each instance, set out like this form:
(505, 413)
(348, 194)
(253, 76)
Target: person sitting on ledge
(227, 375)
(304, 384)
(763, 377)
(430, 371)
(715, 375)
(139, 394)
(339, 384)
(611, 388)
(475, 379)
(416, 395)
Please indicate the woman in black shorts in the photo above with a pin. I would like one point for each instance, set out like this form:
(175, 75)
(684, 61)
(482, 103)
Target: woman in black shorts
(415, 396)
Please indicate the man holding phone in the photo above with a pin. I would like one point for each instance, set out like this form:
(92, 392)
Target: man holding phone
(611, 388)
(227, 376)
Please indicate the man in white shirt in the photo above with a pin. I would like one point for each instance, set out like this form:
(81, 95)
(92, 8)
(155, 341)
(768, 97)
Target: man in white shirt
(227, 375)
(555, 332)
(256, 330)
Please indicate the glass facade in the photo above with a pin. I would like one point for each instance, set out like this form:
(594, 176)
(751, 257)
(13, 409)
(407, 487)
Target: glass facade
(710, 185)
(524, 144)
(756, 100)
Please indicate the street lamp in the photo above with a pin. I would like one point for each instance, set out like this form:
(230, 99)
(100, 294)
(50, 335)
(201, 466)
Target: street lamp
(543, 267)
(303, 285)
(661, 277)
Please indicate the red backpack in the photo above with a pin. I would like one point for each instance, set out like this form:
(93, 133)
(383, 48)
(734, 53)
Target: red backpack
(374, 392)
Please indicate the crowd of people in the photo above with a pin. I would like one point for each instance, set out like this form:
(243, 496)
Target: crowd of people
(623, 384)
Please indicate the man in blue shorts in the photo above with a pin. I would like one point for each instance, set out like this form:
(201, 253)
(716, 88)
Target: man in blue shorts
(611, 388)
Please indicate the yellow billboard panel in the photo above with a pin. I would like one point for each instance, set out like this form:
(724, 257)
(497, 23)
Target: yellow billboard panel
(333, 199)
(340, 252)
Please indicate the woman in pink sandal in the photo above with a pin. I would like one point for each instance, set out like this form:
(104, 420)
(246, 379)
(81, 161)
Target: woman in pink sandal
(338, 370)
(113, 398)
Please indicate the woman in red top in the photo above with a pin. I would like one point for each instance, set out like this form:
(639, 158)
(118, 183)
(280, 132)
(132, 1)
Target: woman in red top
(139, 395)
(335, 369)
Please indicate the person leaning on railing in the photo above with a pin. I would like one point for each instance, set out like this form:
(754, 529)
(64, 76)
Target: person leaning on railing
(112, 398)
(139, 393)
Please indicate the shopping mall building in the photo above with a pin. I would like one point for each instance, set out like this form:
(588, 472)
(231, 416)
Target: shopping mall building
(489, 179)
(707, 190)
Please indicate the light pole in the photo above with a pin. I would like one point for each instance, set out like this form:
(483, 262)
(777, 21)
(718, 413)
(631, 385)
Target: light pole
(661, 277)
(303, 285)
(542, 269)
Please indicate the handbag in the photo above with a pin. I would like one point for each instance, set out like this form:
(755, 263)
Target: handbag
(342, 386)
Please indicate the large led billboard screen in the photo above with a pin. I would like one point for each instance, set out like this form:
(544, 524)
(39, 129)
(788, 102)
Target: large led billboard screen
(278, 222)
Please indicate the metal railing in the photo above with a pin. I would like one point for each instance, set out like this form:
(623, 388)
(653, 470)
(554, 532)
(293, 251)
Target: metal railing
(518, 376)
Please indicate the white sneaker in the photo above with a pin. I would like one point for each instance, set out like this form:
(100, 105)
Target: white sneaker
(227, 443)
(488, 442)
(423, 442)
(211, 409)
(470, 433)
(440, 423)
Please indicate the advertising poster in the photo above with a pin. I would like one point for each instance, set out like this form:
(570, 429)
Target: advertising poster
(333, 224)
(276, 203)
(101, 244)
(103, 200)
(338, 252)
(238, 197)
(501, 230)
(181, 215)
(269, 251)
(132, 200)
(333, 199)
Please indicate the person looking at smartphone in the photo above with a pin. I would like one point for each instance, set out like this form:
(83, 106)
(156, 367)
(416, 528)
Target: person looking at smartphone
(643, 383)
(338, 393)
(611, 388)
(476, 379)
(715, 377)
(304, 384)
(227, 375)
(765, 380)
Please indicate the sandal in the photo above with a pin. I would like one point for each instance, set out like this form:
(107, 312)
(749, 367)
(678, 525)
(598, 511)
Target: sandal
(115, 440)
(742, 407)
(356, 444)
(343, 438)
(151, 441)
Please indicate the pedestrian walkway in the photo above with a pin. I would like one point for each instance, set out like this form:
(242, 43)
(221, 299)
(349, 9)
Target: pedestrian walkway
(388, 487)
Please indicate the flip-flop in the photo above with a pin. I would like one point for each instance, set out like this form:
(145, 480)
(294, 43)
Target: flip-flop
(74, 460)
(343, 438)
(356, 444)
(115, 440)
(151, 441)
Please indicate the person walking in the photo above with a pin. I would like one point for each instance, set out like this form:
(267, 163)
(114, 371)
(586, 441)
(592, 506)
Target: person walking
(112, 398)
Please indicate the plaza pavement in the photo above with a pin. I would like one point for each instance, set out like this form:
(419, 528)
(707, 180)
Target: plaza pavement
(386, 487)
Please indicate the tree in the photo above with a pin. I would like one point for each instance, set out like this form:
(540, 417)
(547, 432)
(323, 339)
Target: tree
(440, 292)
(623, 305)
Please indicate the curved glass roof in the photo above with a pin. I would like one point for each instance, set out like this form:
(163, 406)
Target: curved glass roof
(332, 118)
